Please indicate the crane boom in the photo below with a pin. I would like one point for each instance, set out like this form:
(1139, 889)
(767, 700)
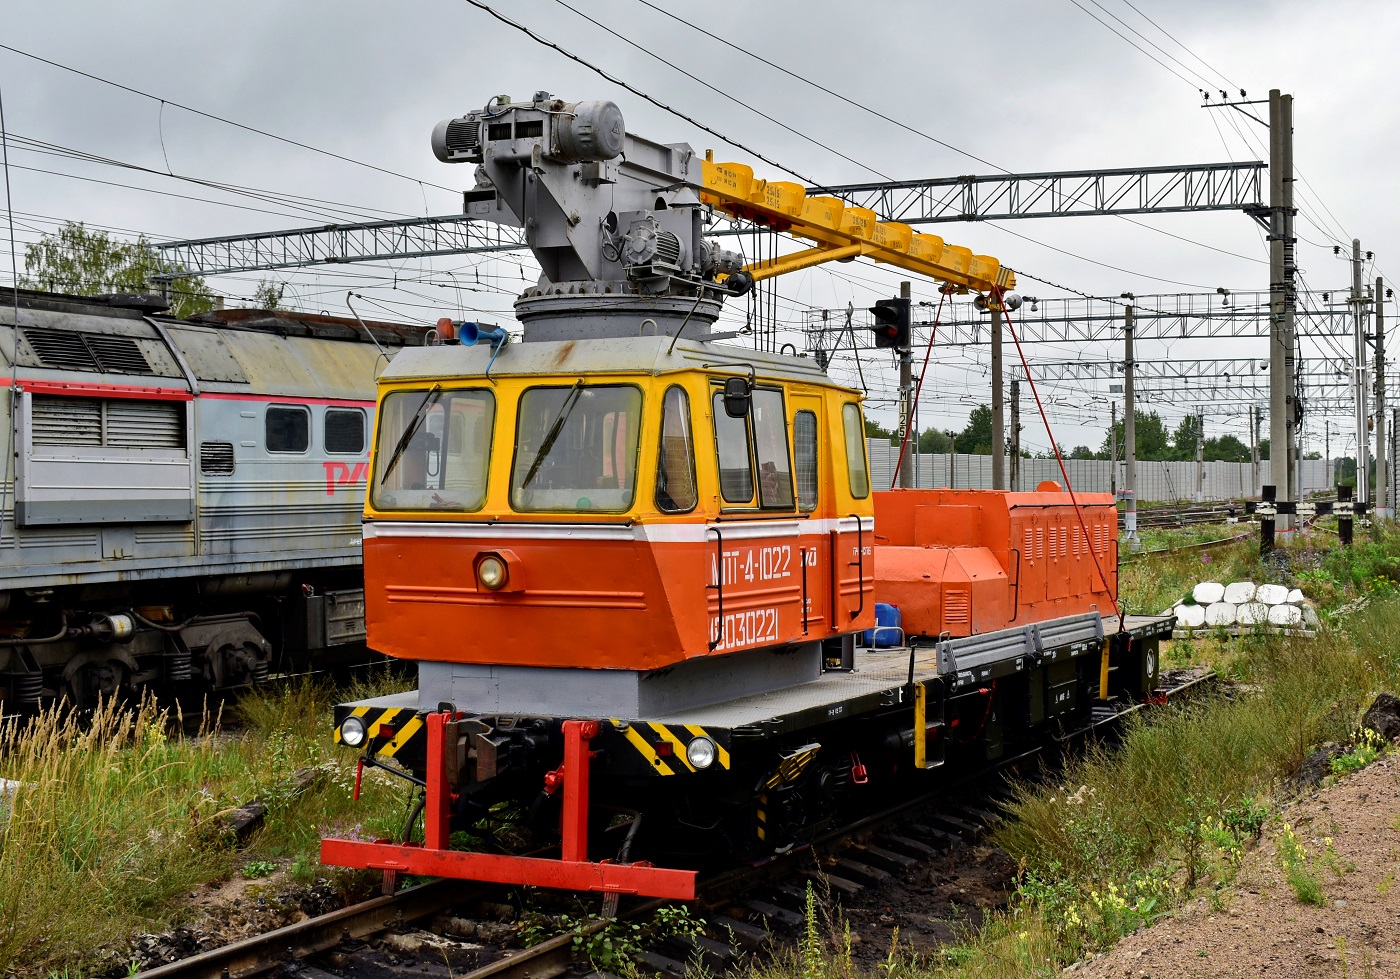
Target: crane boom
(841, 231)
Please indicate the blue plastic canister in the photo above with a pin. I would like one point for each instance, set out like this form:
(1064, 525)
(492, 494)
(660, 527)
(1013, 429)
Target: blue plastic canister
(887, 631)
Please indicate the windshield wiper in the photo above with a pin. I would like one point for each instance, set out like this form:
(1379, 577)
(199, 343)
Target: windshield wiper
(429, 400)
(565, 409)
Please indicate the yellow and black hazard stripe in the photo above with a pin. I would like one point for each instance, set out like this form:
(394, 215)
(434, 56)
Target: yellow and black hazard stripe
(664, 749)
(390, 730)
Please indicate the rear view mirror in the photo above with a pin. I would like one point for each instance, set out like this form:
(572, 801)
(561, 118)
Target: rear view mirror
(736, 397)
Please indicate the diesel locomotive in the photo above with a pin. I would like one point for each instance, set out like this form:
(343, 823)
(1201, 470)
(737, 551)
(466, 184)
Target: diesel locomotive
(656, 604)
(181, 500)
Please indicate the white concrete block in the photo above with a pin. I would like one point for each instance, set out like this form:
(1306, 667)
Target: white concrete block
(1296, 597)
(1239, 592)
(1220, 613)
(1208, 592)
(1253, 613)
(1190, 616)
(1287, 616)
(1310, 617)
(1271, 594)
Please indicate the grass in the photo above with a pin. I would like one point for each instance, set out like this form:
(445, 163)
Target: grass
(120, 814)
(1131, 831)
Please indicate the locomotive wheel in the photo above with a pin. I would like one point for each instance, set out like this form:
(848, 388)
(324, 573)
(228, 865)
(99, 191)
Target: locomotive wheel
(91, 683)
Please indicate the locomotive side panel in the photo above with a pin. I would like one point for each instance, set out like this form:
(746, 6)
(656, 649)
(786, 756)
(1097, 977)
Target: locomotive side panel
(185, 498)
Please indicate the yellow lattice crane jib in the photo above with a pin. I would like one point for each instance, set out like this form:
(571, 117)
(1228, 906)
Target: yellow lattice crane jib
(841, 231)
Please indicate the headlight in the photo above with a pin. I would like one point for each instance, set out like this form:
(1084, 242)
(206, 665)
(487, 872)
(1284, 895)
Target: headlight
(352, 732)
(492, 572)
(700, 753)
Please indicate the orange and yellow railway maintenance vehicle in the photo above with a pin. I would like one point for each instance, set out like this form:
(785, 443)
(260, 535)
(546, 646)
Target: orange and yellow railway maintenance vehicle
(639, 567)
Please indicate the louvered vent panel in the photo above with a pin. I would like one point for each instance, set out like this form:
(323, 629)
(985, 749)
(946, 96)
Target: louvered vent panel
(58, 349)
(957, 608)
(1029, 553)
(117, 355)
(67, 421)
(149, 424)
(216, 458)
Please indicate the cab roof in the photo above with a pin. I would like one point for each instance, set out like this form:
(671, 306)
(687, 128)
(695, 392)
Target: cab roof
(652, 355)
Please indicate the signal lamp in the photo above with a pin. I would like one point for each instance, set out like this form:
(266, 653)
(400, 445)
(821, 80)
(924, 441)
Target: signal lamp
(492, 572)
(891, 326)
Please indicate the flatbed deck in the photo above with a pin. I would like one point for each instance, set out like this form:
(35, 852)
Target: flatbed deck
(880, 678)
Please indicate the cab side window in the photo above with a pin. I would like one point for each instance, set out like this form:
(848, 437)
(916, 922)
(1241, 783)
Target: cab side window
(735, 460)
(753, 452)
(804, 444)
(856, 471)
(675, 463)
(287, 428)
(771, 443)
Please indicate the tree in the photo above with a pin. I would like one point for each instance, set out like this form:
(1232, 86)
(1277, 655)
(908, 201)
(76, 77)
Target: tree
(874, 430)
(86, 263)
(976, 438)
(1082, 452)
(932, 440)
(1226, 448)
(1150, 434)
(1263, 448)
(1184, 439)
(268, 296)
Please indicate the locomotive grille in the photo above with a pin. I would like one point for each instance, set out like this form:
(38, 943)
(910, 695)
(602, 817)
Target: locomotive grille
(216, 458)
(118, 355)
(67, 421)
(98, 352)
(92, 421)
(150, 424)
(65, 351)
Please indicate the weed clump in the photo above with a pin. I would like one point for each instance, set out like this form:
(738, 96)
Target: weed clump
(120, 813)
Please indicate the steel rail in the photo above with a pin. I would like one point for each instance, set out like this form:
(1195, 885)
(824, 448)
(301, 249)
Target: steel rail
(260, 954)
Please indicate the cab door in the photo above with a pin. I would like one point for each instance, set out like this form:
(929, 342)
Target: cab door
(811, 458)
(851, 527)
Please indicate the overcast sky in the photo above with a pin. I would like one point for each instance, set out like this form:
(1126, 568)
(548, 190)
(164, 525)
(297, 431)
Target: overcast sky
(1019, 86)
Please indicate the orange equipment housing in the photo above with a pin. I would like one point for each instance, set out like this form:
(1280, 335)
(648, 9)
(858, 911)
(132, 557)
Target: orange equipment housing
(962, 562)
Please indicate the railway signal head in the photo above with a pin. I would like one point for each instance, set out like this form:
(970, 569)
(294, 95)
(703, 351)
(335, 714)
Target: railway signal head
(891, 324)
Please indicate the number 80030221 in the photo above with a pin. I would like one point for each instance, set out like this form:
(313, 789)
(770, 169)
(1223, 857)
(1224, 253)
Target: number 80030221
(746, 628)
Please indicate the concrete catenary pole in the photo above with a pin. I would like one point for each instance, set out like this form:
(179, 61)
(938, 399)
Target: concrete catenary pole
(1327, 455)
(1383, 502)
(1253, 450)
(1129, 432)
(1359, 303)
(1290, 302)
(1015, 434)
(1113, 447)
(1279, 407)
(998, 409)
(1200, 456)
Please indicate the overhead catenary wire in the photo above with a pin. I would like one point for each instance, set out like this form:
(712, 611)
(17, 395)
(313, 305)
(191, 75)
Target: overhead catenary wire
(226, 121)
(923, 134)
(578, 59)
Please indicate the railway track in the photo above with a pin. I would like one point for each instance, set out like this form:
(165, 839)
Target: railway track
(870, 862)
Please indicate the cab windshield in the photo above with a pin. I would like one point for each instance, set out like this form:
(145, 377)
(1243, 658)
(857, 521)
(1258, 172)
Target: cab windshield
(576, 448)
(433, 451)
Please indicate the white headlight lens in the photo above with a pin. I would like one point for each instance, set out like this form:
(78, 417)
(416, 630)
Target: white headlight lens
(352, 732)
(491, 572)
(700, 753)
